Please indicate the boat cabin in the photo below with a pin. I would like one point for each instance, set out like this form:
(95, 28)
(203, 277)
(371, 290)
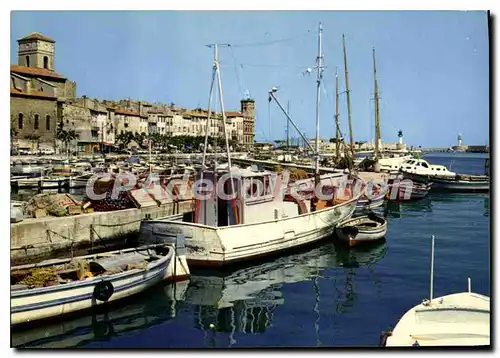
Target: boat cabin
(421, 166)
(252, 196)
(256, 195)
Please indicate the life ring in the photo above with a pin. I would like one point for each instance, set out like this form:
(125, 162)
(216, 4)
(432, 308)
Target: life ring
(103, 291)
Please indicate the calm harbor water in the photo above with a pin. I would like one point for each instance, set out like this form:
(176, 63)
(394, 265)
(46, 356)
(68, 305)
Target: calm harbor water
(323, 296)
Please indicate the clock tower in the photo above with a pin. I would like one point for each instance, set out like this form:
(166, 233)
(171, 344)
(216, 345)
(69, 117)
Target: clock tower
(36, 50)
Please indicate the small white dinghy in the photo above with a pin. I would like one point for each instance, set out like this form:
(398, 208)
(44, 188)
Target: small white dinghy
(56, 287)
(459, 319)
(361, 229)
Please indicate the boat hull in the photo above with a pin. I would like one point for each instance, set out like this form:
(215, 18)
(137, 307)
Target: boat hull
(367, 204)
(459, 183)
(48, 302)
(355, 236)
(460, 319)
(219, 246)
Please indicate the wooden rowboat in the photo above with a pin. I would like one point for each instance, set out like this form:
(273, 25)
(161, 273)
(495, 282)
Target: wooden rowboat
(361, 229)
(55, 287)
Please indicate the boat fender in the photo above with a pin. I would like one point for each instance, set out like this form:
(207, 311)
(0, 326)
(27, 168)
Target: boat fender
(103, 291)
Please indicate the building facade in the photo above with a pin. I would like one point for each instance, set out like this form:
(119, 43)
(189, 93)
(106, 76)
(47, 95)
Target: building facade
(35, 92)
(42, 100)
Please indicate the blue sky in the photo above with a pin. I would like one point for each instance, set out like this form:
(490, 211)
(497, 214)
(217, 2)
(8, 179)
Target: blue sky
(433, 67)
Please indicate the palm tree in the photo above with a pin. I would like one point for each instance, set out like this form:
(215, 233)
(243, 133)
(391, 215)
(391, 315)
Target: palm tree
(65, 136)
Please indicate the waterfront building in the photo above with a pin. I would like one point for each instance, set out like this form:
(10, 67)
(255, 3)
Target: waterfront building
(42, 99)
(36, 90)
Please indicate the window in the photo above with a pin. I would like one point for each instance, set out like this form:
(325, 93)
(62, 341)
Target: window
(36, 122)
(20, 121)
(47, 123)
(27, 61)
(424, 165)
(45, 62)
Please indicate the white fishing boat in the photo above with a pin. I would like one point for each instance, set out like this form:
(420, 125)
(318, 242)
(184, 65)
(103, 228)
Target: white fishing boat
(257, 218)
(362, 229)
(460, 319)
(226, 231)
(79, 283)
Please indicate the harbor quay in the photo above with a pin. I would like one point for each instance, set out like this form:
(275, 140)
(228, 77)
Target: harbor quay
(35, 239)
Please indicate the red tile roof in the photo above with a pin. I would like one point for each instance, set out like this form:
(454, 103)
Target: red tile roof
(33, 71)
(36, 36)
(127, 113)
(34, 94)
(234, 114)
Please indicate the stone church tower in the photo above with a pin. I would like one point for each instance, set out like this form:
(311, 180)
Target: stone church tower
(36, 50)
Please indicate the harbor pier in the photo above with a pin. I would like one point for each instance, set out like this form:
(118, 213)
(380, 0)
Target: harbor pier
(35, 239)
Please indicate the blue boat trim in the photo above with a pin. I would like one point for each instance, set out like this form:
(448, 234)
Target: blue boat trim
(72, 299)
(58, 288)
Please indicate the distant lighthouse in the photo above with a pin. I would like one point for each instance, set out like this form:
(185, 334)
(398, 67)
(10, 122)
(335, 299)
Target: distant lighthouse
(400, 145)
(459, 147)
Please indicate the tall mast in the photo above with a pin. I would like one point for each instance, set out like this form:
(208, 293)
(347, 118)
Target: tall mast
(348, 92)
(288, 129)
(337, 126)
(378, 138)
(318, 95)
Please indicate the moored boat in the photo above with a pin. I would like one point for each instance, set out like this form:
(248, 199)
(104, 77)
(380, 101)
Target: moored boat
(460, 319)
(456, 183)
(462, 183)
(242, 214)
(405, 191)
(250, 225)
(368, 204)
(55, 287)
(362, 229)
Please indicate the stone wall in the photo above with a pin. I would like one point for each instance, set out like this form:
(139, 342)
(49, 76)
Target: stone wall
(29, 108)
(39, 238)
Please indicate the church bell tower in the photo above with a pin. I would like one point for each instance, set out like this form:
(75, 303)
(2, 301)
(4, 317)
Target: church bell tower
(36, 50)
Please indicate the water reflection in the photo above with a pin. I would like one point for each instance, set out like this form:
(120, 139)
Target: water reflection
(154, 307)
(399, 209)
(243, 300)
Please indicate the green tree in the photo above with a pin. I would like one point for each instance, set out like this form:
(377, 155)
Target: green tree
(124, 139)
(65, 136)
(13, 131)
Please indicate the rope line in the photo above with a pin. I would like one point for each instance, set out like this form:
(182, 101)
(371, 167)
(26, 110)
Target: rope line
(236, 71)
(264, 43)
